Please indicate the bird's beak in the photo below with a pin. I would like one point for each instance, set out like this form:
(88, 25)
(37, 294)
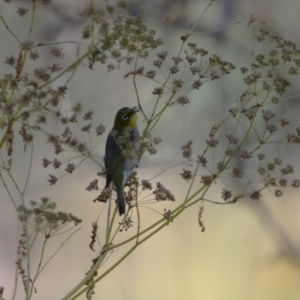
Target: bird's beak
(134, 110)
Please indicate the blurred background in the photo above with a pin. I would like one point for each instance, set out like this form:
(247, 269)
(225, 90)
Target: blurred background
(249, 250)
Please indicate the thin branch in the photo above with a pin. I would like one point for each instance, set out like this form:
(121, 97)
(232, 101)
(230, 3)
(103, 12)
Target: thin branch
(47, 262)
(9, 30)
(30, 167)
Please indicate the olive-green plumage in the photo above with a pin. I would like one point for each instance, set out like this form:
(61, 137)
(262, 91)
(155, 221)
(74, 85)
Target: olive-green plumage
(121, 155)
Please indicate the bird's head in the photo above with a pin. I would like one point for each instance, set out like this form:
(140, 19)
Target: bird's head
(126, 117)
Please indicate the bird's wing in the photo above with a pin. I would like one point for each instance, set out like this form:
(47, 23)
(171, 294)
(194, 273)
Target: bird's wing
(114, 159)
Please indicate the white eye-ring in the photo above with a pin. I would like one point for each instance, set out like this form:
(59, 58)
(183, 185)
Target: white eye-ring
(125, 117)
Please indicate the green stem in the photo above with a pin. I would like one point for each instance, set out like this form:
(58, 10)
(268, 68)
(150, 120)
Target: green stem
(16, 283)
(8, 29)
(199, 19)
(138, 216)
(126, 254)
(25, 230)
(192, 182)
(29, 170)
(38, 269)
(10, 195)
(32, 19)
(135, 86)
(86, 278)
(108, 219)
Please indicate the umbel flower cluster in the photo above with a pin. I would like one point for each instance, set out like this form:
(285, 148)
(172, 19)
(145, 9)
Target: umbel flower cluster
(44, 219)
(258, 124)
(40, 217)
(180, 75)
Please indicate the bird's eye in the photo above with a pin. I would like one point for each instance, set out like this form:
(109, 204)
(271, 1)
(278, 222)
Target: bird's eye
(125, 117)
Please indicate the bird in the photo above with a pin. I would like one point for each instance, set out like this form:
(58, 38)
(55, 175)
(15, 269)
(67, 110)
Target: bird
(122, 152)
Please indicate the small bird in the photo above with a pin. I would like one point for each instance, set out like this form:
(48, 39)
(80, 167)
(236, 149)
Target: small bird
(121, 152)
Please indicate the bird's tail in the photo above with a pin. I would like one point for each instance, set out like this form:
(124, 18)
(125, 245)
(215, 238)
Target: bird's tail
(120, 201)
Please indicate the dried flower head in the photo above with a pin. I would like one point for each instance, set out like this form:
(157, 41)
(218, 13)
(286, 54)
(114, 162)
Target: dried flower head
(126, 223)
(245, 154)
(206, 179)
(86, 128)
(183, 100)
(174, 69)
(52, 179)
(178, 83)
(57, 52)
(284, 122)
(70, 168)
(100, 129)
(202, 160)
(77, 108)
(278, 193)
(212, 142)
(221, 166)
(93, 185)
(296, 183)
(146, 185)
(162, 54)
(256, 195)
(157, 63)
(56, 163)
(167, 214)
(150, 74)
(46, 162)
(226, 194)
(187, 149)
(104, 196)
(10, 60)
(190, 59)
(162, 194)
(22, 11)
(237, 172)
(34, 55)
(88, 115)
(41, 74)
(186, 175)
(289, 169)
(177, 60)
(267, 114)
(197, 84)
(158, 91)
(232, 139)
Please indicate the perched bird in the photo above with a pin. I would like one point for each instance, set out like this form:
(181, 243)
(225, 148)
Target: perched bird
(121, 152)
